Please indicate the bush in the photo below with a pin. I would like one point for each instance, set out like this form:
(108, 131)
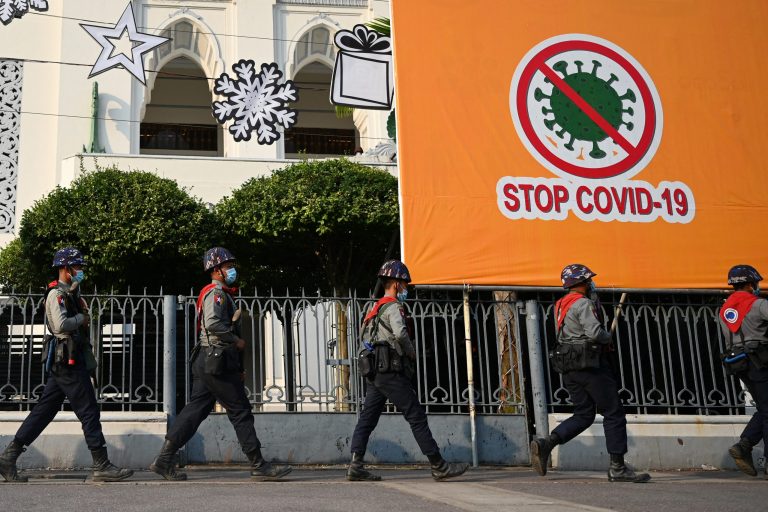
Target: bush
(136, 229)
(323, 224)
(15, 270)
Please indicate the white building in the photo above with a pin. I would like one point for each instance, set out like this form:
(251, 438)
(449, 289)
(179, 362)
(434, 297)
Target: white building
(166, 126)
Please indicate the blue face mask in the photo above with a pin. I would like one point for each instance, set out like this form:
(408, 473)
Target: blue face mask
(756, 290)
(592, 288)
(78, 276)
(230, 276)
(401, 296)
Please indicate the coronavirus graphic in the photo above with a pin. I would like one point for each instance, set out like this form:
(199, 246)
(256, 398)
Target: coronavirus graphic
(571, 120)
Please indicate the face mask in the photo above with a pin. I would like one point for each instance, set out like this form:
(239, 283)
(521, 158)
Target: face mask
(592, 289)
(401, 296)
(756, 290)
(78, 276)
(230, 275)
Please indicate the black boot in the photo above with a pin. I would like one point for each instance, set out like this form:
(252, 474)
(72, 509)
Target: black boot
(442, 470)
(8, 462)
(742, 456)
(619, 472)
(357, 471)
(165, 463)
(105, 471)
(541, 448)
(263, 471)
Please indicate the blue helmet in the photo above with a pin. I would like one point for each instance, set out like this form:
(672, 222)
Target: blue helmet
(575, 274)
(744, 274)
(395, 269)
(215, 257)
(67, 257)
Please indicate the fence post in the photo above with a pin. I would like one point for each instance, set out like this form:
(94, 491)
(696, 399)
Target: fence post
(536, 360)
(470, 374)
(169, 357)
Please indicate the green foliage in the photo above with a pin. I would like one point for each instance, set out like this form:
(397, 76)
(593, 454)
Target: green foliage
(135, 229)
(381, 25)
(317, 224)
(15, 270)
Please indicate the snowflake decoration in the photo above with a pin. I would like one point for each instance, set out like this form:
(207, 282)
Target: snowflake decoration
(255, 101)
(10, 9)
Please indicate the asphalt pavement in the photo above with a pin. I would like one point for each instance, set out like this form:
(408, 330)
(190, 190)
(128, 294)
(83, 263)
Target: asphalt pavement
(402, 489)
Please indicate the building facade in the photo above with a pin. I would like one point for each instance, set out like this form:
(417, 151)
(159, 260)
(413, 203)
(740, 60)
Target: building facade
(48, 132)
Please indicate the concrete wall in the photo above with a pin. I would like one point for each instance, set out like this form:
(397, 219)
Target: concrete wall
(315, 438)
(658, 442)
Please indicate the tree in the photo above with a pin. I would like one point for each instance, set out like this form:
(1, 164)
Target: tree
(323, 224)
(15, 270)
(136, 230)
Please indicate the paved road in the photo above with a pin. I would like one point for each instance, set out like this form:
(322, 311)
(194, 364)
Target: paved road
(402, 490)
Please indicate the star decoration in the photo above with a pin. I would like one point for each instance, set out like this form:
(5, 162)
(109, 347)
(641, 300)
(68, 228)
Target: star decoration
(141, 43)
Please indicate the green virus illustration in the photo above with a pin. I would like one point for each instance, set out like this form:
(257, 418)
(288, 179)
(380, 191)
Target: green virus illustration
(597, 92)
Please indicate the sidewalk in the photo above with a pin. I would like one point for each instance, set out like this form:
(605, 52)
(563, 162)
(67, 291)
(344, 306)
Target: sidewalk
(325, 489)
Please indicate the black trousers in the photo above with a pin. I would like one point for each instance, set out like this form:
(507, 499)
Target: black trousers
(74, 384)
(229, 390)
(399, 390)
(756, 382)
(595, 390)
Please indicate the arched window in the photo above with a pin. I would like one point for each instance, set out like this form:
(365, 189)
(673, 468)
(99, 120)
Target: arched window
(318, 131)
(178, 119)
(314, 43)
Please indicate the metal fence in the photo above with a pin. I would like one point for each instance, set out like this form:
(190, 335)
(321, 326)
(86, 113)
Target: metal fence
(126, 332)
(300, 353)
(668, 350)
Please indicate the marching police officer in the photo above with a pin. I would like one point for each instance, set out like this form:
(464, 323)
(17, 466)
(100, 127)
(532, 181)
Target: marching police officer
(217, 374)
(582, 357)
(744, 322)
(395, 358)
(69, 363)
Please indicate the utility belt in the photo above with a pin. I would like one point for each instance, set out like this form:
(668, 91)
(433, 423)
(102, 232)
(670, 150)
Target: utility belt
(69, 351)
(218, 360)
(573, 356)
(382, 359)
(736, 360)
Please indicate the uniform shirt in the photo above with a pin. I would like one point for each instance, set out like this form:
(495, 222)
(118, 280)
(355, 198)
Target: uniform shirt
(393, 317)
(56, 311)
(582, 325)
(754, 327)
(216, 327)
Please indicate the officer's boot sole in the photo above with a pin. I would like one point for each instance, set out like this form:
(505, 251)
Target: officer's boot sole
(462, 468)
(641, 478)
(163, 472)
(119, 478)
(272, 478)
(363, 476)
(11, 480)
(743, 464)
(539, 464)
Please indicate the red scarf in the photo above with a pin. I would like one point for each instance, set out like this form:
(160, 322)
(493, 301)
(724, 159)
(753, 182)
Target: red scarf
(563, 305)
(375, 311)
(203, 293)
(735, 309)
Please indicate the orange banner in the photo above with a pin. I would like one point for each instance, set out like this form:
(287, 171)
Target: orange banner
(627, 136)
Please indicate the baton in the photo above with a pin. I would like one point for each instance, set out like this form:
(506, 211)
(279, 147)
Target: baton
(617, 313)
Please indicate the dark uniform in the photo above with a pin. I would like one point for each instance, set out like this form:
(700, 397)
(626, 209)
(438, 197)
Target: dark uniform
(70, 362)
(217, 376)
(394, 382)
(582, 356)
(744, 322)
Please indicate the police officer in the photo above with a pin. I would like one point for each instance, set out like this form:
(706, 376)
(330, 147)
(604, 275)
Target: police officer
(217, 375)
(394, 382)
(70, 362)
(582, 357)
(744, 322)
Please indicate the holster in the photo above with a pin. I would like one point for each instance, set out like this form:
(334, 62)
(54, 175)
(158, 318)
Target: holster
(735, 361)
(366, 362)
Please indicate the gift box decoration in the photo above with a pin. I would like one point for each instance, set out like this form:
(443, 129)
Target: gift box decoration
(362, 75)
